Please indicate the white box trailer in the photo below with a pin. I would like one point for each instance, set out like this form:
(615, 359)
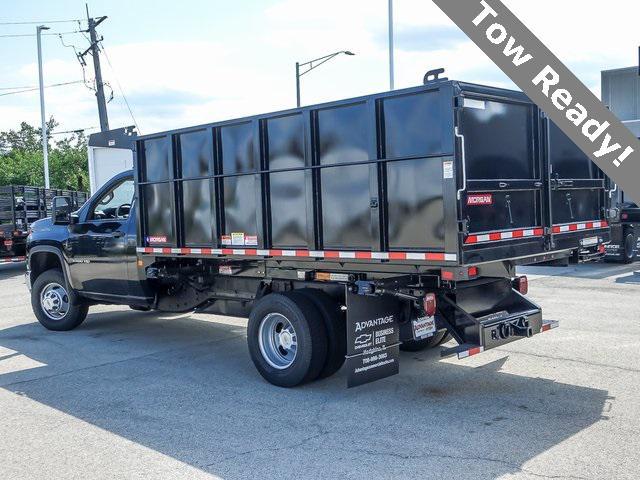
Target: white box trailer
(109, 153)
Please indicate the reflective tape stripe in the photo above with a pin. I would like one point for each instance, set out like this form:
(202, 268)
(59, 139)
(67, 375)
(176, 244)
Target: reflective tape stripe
(13, 260)
(328, 254)
(575, 227)
(500, 236)
(471, 352)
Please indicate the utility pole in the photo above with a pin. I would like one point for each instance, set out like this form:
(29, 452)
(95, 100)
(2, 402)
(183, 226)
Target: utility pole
(45, 140)
(391, 62)
(95, 53)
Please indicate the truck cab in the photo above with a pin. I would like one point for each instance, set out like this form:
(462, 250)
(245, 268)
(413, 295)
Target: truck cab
(93, 251)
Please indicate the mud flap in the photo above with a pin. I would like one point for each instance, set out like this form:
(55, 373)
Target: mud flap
(373, 338)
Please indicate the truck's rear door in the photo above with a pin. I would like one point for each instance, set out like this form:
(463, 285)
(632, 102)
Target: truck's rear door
(500, 199)
(577, 193)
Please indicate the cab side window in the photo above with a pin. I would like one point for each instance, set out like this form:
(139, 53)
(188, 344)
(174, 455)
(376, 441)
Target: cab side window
(115, 204)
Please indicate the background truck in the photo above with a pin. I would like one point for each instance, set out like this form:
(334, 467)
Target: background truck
(348, 230)
(109, 153)
(621, 94)
(20, 206)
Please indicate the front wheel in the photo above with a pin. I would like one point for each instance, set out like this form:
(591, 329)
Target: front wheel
(53, 306)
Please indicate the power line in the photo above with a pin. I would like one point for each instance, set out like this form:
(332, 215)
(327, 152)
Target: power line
(76, 130)
(120, 88)
(16, 88)
(16, 35)
(33, 89)
(82, 64)
(40, 23)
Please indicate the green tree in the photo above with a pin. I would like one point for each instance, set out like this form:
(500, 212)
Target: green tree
(21, 160)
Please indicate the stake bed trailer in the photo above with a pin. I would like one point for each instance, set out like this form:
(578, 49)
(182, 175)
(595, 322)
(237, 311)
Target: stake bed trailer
(357, 228)
(20, 206)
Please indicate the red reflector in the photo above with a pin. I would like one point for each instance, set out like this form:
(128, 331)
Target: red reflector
(624, 216)
(522, 285)
(601, 249)
(429, 303)
(473, 271)
(447, 275)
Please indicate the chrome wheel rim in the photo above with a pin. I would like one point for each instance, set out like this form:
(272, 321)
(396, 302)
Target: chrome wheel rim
(278, 341)
(54, 300)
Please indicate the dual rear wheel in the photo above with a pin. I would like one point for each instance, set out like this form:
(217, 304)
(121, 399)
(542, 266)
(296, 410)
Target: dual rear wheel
(296, 337)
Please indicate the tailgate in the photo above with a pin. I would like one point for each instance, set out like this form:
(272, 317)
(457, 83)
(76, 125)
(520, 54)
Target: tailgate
(501, 200)
(577, 192)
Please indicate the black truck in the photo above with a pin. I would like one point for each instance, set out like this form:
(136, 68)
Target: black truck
(347, 230)
(20, 207)
(625, 228)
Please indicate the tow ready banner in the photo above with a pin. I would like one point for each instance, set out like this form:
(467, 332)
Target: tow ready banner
(548, 83)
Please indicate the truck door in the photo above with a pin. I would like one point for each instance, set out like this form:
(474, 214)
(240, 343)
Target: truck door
(98, 249)
(577, 187)
(501, 194)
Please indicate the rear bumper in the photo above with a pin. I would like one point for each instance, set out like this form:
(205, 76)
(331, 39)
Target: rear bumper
(464, 351)
(489, 313)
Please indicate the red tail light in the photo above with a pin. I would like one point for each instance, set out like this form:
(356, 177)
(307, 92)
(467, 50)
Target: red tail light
(429, 303)
(521, 284)
(447, 275)
(601, 249)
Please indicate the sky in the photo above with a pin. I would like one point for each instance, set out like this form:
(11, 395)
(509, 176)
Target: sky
(182, 63)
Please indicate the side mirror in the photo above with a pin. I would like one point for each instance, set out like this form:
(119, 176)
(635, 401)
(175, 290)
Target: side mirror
(61, 211)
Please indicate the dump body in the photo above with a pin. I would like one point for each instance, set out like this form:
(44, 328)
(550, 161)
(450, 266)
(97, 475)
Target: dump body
(446, 174)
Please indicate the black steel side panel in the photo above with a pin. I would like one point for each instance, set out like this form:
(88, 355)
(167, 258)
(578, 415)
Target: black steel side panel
(363, 174)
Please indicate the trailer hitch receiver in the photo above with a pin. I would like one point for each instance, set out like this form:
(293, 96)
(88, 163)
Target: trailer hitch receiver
(519, 327)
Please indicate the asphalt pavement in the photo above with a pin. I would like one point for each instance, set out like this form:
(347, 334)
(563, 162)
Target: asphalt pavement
(149, 395)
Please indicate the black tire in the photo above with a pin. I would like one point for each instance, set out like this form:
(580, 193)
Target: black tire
(629, 254)
(417, 345)
(444, 339)
(138, 308)
(335, 326)
(310, 334)
(54, 283)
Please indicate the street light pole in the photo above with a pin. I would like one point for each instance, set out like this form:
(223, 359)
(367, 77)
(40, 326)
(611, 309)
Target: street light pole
(391, 59)
(298, 84)
(314, 64)
(45, 150)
